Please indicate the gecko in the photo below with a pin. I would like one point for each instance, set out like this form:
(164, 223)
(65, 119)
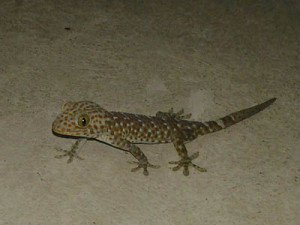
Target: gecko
(87, 120)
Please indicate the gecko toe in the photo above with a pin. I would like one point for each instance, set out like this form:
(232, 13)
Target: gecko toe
(186, 171)
(200, 169)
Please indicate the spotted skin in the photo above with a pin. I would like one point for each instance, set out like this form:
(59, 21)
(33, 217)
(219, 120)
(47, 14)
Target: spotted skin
(87, 120)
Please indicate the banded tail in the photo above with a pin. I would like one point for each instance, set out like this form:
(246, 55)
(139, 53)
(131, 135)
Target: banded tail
(233, 118)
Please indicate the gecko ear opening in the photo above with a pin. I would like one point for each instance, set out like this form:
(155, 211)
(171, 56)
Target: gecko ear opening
(83, 120)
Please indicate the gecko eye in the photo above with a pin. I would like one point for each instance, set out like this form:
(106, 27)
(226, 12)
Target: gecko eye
(83, 120)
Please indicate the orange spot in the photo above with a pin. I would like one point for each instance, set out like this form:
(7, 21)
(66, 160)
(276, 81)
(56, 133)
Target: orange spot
(65, 123)
(95, 126)
(112, 133)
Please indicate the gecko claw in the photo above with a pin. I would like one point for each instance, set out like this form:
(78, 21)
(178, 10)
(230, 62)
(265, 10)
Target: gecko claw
(185, 163)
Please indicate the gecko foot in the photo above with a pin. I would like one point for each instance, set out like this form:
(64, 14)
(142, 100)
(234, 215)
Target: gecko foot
(70, 153)
(185, 163)
(172, 115)
(144, 166)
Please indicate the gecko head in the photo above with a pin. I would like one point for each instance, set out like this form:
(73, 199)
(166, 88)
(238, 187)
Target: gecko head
(79, 119)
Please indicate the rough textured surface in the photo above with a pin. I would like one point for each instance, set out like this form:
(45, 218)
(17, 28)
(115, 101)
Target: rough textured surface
(207, 57)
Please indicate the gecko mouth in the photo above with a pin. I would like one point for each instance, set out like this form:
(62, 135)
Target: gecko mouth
(63, 135)
(65, 132)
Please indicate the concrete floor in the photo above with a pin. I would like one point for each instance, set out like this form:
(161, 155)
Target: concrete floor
(210, 57)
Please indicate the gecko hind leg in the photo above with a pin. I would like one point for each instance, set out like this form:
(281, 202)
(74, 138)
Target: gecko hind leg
(72, 152)
(185, 160)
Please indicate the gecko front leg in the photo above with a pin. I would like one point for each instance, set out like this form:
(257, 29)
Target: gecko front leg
(126, 145)
(72, 152)
(142, 160)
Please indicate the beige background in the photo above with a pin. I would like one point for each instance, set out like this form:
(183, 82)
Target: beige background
(209, 57)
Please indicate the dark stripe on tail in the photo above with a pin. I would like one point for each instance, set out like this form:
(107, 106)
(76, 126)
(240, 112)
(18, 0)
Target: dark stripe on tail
(233, 118)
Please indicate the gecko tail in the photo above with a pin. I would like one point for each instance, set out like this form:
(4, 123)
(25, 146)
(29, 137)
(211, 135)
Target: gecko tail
(233, 118)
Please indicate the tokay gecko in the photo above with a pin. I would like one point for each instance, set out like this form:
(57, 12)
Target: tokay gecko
(87, 120)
